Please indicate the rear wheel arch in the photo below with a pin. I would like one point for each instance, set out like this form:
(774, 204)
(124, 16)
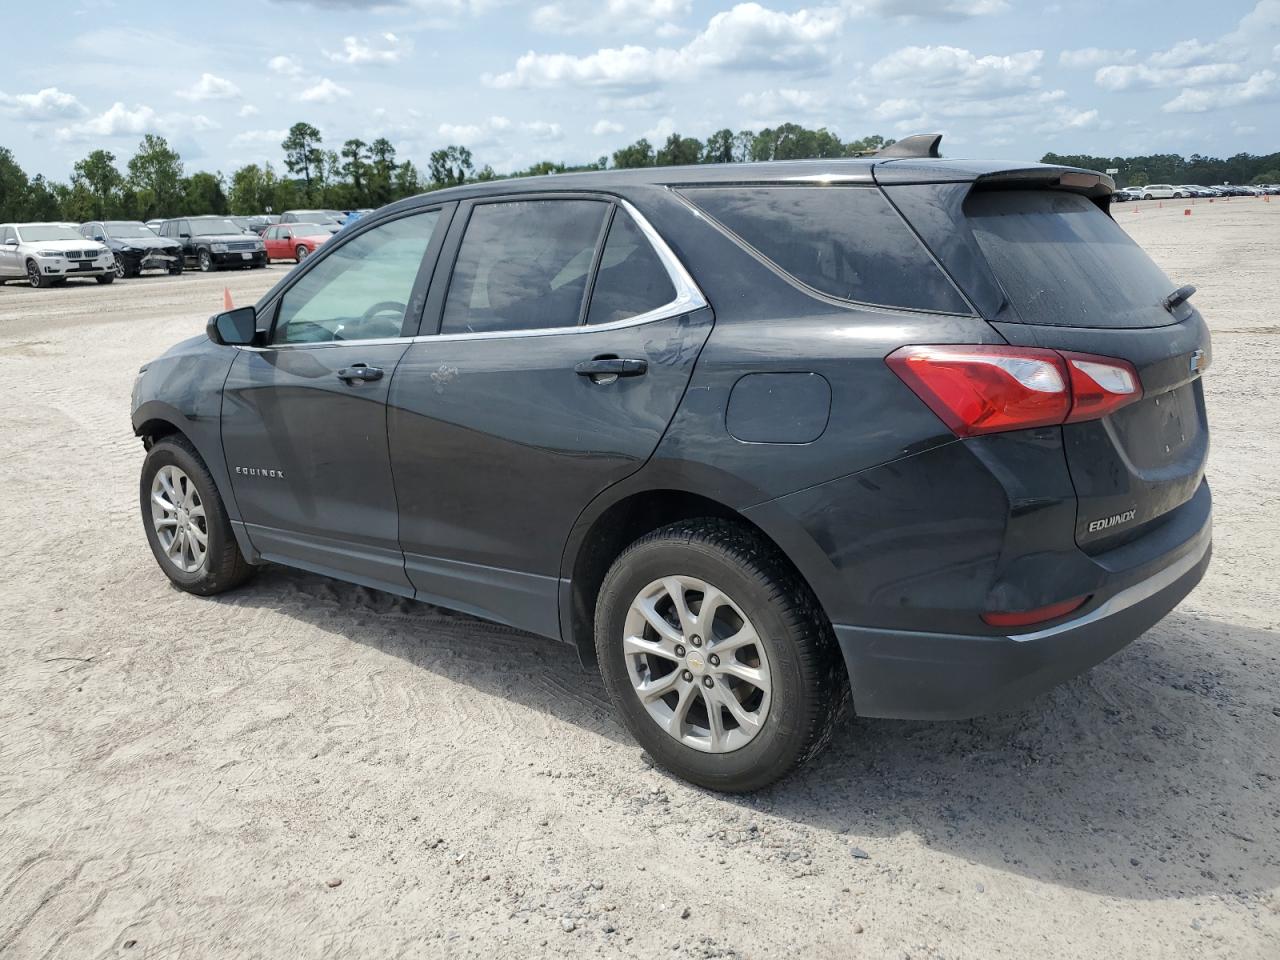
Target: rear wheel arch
(597, 545)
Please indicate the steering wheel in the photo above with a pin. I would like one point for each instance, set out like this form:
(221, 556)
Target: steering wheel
(383, 307)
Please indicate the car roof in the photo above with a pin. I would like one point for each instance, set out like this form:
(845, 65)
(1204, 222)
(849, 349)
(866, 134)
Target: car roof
(839, 170)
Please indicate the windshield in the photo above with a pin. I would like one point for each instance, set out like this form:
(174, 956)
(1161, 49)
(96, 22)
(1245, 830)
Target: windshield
(211, 228)
(48, 231)
(126, 229)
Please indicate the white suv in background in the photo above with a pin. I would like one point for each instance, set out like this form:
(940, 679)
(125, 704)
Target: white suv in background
(1160, 191)
(49, 253)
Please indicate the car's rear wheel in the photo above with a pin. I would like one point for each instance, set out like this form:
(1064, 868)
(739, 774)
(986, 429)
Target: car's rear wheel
(186, 523)
(301, 253)
(34, 277)
(716, 655)
(205, 259)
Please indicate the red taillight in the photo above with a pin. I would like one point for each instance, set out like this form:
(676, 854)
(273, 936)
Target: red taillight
(988, 388)
(1100, 385)
(1023, 618)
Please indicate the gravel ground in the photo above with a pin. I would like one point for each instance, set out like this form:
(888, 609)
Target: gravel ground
(309, 769)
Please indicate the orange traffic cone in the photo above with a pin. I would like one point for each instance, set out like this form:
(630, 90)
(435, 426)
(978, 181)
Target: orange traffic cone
(1186, 212)
(226, 299)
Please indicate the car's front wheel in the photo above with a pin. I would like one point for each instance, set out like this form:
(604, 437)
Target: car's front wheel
(34, 277)
(175, 268)
(186, 523)
(106, 278)
(122, 272)
(717, 656)
(205, 260)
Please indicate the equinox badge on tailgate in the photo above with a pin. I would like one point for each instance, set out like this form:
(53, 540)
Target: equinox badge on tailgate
(1106, 523)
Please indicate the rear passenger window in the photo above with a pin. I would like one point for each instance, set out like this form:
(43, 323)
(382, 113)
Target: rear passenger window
(846, 242)
(523, 265)
(632, 280)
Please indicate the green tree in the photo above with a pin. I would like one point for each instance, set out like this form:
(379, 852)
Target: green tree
(303, 155)
(382, 168)
(719, 147)
(15, 188)
(100, 182)
(678, 151)
(203, 193)
(855, 148)
(355, 167)
(253, 190)
(155, 175)
(451, 166)
(408, 182)
(1268, 176)
(638, 154)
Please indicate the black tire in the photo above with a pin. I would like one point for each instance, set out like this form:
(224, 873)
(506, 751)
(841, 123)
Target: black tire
(204, 259)
(35, 278)
(225, 567)
(809, 683)
(106, 278)
(175, 269)
(301, 253)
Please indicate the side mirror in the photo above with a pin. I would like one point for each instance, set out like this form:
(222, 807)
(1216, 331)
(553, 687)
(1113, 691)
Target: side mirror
(11, 242)
(184, 236)
(235, 328)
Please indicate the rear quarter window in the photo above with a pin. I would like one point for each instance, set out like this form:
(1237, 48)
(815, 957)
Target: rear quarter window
(847, 242)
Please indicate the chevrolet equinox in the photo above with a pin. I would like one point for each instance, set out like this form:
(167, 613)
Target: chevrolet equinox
(927, 435)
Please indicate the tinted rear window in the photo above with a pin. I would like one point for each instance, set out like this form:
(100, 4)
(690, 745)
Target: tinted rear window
(1063, 262)
(846, 242)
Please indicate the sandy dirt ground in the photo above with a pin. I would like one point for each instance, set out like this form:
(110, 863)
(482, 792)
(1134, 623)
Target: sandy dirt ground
(307, 769)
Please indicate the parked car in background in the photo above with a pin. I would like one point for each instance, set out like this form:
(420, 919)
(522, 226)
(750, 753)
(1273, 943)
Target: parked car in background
(49, 254)
(244, 223)
(1159, 191)
(260, 222)
(211, 243)
(135, 246)
(154, 225)
(294, 241)
(1130, 193)
(755, 459)
(326, 218)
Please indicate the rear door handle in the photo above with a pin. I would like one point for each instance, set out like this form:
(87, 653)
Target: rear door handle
(610, 367)
(360, 372)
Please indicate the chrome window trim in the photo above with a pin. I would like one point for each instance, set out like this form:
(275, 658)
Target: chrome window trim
(688, 299)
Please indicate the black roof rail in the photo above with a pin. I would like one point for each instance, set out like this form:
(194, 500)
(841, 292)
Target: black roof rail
(919, 145)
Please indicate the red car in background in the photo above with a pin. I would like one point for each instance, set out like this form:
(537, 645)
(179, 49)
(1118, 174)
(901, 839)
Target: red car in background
(294, 241)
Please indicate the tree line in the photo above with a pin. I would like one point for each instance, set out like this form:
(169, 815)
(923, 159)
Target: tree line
(358, 174)
(1244, 168)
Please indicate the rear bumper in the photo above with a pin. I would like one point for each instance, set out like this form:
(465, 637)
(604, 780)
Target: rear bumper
(916, 675)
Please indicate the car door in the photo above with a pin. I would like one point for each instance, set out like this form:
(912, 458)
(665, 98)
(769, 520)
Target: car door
(271, 239)
(304, 417)
(534, 395)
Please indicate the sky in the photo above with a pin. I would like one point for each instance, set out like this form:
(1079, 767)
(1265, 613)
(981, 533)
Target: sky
(573, 80)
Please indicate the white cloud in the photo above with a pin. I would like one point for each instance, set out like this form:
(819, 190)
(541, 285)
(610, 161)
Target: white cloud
(210, 87)
(120, 121)
(639, 101)
(248, 110)
(959, 71)
(323, 91)
(494, 130)
(1141, 75)
(786, 100)
(47, 104)
(259, 138)
(927, 9)
(1185, 53)
(384, 49)
(590, 16)
(748, 35)
(1094, 57)
(1261, 87)
(284, 66)
(603, 128)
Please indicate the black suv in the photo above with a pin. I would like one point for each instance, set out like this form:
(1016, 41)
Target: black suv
(136, 246)
(211, 243)
(927, 433)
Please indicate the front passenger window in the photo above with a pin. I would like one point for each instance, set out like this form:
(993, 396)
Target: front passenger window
(360, 290)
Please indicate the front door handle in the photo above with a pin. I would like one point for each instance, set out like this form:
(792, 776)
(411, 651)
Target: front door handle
(608, 369)
(360, 373)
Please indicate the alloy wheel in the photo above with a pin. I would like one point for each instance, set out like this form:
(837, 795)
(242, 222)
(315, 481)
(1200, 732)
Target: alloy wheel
(33, 275)
(177, 514)
(120, 271)
(697, 664)
(302, 253)
(206, 261)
